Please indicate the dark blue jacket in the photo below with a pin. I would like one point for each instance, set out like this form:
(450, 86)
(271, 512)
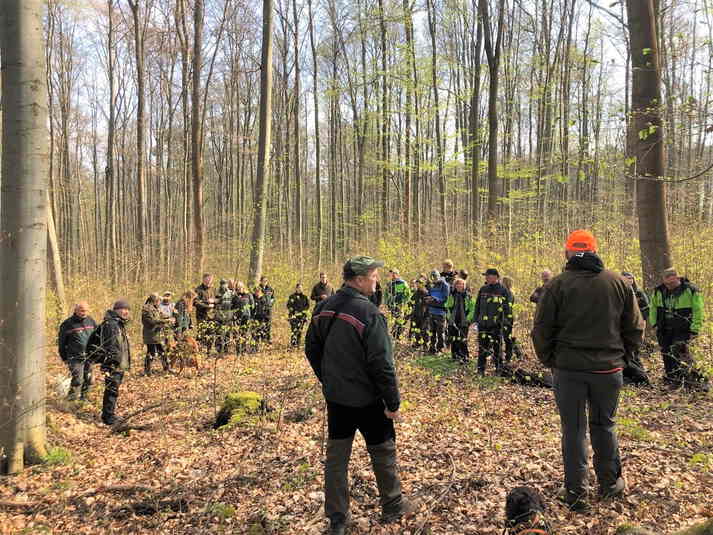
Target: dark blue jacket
(439, 291)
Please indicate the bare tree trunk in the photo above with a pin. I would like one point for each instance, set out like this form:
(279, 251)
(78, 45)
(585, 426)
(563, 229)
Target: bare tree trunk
(648, 140)
(196, 138)
(23, 251)
(317, 148)
(262, 179)
(298, 176)
(55, 260)
(140, 102)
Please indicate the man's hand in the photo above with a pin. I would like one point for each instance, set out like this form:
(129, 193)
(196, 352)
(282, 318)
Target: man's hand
(395, 416)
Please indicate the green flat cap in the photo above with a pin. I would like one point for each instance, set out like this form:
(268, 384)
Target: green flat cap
(360, 265)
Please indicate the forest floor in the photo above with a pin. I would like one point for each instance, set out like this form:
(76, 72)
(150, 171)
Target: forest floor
(463, 444)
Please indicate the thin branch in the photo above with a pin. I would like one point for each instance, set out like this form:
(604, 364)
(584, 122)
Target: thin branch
(608, 12)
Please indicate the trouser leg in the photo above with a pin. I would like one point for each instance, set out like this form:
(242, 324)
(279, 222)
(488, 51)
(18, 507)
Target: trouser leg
(111, 394)
(486, 343)
(603, 400)
(571, 394)
(87, 376)
(76, 370)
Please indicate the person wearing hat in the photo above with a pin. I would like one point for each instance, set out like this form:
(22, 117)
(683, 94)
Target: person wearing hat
(166, 306)
(350, 351)
(587, 325)
(677, 314)
(117, 355)
(438, 292)
(398, 294)
(493, 314)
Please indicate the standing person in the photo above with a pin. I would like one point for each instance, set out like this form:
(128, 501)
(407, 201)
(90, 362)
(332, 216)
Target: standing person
(493, 314)
(463, 274)
(349, 349)
(677, 314)
(418, 330)
(117, 356)
(297, 306)
(153, 325)
(449, 272)
(537, 293)
(72, 341)
(260, 316)
(269, 294)
(224, 316)
(184, 309)
(322, 290)
(397, 297)
(587, 324)
(204, 304)
(166, 307)
(243, 305)
(438, 292)
(511, 344)
(460, 307)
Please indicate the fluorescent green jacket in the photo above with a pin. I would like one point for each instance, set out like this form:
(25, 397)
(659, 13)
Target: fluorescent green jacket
(468, 305)
(680, 310)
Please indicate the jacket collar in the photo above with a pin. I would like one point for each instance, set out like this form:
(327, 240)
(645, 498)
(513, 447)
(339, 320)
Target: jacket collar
(351, 292)
(585, 262)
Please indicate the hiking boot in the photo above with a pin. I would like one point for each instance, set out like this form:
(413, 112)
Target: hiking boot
(406, 508)
(609, 492)
(575, 502)
(108, 420)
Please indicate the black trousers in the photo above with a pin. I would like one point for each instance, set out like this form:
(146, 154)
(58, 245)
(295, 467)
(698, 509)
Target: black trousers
(418, 331)
(397, 316)
(576, 394)
(343, 422)
(112, 382)
(296, 327)
(81, 371)
(437, 331)
(459, 342)
(674, 350)
(489, 344)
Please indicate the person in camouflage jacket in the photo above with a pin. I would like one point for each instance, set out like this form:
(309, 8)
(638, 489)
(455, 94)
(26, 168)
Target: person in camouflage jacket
(297, 307)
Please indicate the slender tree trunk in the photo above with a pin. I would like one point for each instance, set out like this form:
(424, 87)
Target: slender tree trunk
(262, 180)
(298, 176)
(23, 219)
(55, 260)
(196, 138)
(648, 140)
(317, 148)
(140, 143)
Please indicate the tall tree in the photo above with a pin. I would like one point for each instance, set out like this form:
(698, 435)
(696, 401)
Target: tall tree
(262, 177)
(493, 51)
(197, 137)
(647, 140)
(139, 34)
(317, 148)
(23, 220)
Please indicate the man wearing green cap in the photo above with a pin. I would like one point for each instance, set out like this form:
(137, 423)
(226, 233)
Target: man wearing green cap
(349, 349)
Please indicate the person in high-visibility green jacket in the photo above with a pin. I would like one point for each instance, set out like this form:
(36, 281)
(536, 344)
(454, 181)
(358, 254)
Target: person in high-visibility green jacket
(677, 314)
(398, 294)
(460, 310)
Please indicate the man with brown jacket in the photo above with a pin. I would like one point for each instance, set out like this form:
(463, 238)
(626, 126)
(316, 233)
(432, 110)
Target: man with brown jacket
(587, 325)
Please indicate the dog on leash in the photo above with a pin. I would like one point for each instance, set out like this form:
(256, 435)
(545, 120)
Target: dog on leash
(185, 353)
(524, 512)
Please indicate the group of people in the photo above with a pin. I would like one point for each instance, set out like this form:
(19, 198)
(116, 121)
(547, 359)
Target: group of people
(588, 327)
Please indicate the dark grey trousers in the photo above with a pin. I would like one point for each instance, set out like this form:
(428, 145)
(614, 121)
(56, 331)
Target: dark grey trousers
(576, 392)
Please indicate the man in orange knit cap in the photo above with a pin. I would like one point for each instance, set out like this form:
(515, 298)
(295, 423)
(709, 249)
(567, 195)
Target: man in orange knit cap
(587, 326)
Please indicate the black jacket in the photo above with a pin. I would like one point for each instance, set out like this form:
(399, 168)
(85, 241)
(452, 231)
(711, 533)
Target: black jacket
(351, 354)
(297, 305)
(493, 307)
(115, 342)
(73, 336)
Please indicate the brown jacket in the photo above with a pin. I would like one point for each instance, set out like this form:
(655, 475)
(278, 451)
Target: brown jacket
(153, 323)
(204, 311)
(588, 319)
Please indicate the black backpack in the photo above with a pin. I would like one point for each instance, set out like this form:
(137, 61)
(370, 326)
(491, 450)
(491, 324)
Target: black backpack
(95, 346)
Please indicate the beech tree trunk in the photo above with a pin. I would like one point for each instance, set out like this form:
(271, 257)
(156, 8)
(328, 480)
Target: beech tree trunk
(263, 155)
(647, 140)
(23, 219)
(196, 138)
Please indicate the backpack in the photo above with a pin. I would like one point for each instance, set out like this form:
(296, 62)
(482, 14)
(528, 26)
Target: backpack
(96, 353)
